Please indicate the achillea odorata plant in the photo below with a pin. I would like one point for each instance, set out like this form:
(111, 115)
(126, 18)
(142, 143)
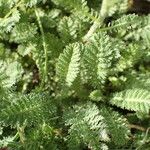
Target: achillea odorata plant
(74, 75)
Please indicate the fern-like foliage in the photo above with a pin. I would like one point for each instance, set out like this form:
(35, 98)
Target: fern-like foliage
(115, 6)
(8, 23)
(31, 3)
(40, 136)
(125, 24)
(132, 26)
(24, 107)
(133, 99)
(142, 30)
(68, 65)
(74, 75)
(68, 29)
(73, 5)
(117, 126)
(91, 125)
(139, 81)
(9, 17)
(79, 10)
(133, 53)
(8, 76)
(99, 56)
(5, 141)
(23, 33)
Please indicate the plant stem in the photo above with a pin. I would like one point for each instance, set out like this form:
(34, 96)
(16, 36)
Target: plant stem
(21, 134)
(143, 142)
(13, 9)
(97, 23)
(45, 77)
(16, 136)
(133, 126)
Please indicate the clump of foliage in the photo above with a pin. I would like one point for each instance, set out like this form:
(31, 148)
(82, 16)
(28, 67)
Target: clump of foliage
(74, 75)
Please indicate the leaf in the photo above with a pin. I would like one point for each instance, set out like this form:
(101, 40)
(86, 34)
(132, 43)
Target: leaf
(30, 108)
(132, 99)
(68, 65)
(100, 56)
(10, 73)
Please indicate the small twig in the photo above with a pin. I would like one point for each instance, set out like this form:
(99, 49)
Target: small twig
(144, 139)
(21, 132)
(45, 78)
(133, 126)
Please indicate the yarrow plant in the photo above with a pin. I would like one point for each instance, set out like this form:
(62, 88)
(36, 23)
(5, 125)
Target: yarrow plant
(74, 75)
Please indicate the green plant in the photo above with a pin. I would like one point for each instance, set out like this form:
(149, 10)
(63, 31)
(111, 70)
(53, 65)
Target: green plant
(74, 75)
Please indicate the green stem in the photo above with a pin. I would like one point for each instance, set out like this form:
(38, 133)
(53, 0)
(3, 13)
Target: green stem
(16, 136)
(143, 142)
(45, 77)
(21, 134)
(102, 15)
(112, 27)
(13, 9)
